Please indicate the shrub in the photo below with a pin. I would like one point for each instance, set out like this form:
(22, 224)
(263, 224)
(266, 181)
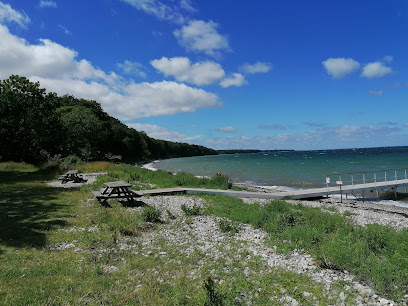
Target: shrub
(151, 214)
(227, 226)
(192, 211)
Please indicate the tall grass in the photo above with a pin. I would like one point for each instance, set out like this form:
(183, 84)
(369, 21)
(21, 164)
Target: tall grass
(377, 255)
(159, 178)
(99, 166)
(20, 167)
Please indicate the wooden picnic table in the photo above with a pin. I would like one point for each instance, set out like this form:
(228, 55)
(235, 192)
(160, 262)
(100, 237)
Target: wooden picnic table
(71, 175)
(116, 190)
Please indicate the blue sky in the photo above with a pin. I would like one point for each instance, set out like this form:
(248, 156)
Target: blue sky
(224, 74)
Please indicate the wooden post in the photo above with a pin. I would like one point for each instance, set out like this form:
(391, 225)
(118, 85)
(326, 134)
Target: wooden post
(341, 191)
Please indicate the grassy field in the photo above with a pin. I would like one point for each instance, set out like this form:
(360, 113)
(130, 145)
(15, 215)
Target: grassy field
(58, 246)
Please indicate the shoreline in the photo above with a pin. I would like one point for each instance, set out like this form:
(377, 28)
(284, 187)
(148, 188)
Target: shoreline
(371, 211)
(277, 188)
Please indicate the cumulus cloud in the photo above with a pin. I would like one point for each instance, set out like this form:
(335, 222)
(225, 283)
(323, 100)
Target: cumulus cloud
(133, 68)
(338, 68)
(161, 10)
(258, 67)
(202, 73)
(376, 92)
(201, 36)
(227, 129)
(237, 79)
(159, 132)
(8, 14)
(58, 69)
(44, 3)
(375, 70)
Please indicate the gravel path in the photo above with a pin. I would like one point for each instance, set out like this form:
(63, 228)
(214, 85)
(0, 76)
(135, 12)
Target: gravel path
(89, 178)
(203, 233)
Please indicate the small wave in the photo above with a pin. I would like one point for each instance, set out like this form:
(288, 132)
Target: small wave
(277, 188)
(150, 166)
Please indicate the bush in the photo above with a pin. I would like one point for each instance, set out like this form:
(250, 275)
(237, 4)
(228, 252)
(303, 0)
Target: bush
(151, 214)
(193, 211)
(227, 226)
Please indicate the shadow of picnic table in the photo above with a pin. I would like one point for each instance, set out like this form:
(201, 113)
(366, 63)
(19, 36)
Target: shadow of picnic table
(28, 209)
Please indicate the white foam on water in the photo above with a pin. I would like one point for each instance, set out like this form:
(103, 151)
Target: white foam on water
(150, 166)
(277, 188)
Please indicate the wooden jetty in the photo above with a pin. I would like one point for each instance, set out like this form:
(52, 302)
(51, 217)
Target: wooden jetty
(367, 183)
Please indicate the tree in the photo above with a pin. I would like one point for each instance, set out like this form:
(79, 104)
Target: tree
(29, 126)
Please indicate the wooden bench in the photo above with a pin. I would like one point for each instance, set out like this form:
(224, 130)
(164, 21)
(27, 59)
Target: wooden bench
(116, 190)
(99, 195)
(71, 175)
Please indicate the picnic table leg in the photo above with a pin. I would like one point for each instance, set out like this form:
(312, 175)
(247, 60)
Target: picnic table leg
(105, 191)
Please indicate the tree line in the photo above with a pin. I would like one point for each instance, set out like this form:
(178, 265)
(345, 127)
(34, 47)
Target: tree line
(36, 126)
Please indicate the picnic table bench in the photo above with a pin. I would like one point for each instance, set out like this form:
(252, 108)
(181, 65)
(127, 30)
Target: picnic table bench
(116, 190)
(71, 175)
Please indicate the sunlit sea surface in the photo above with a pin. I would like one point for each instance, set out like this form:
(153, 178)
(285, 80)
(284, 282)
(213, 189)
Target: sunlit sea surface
(286, 170)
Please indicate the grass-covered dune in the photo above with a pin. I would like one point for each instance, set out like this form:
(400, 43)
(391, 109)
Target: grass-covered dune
(59, 246)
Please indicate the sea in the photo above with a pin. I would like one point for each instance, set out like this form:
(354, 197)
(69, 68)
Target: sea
(289, 170)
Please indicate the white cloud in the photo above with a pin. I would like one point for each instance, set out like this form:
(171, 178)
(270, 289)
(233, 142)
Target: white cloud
(44, 3)
(237, 79)
(227, 129)
(159, 132)
(258, 67)
(279, 127)
(8, 14)
(136, 100)
(58, 69)
(340, 67)
(388, 58)
(66, 31)
(186, 5)
(133, 68)
(345, 136)
(376, 92)
(202, 73)
(202, 36)
(162, 11)
(375, 70)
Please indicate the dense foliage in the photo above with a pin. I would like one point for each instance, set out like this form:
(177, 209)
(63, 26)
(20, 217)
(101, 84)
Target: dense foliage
(36, 126)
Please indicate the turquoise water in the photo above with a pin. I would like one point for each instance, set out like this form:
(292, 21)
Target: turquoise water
(293, 169)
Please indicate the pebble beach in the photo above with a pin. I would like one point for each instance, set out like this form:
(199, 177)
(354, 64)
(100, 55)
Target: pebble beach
(202, 233)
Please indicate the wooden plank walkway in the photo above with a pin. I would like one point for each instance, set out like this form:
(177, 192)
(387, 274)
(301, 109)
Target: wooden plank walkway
(296, 194)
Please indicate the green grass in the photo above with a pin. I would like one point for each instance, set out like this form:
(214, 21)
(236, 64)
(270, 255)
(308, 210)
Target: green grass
(192, 211)
(160, 178)
(57, 246)
(377, 255)
(13, 166)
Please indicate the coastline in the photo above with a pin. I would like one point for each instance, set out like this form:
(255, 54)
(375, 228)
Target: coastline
(374, 202)
(371, 211)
